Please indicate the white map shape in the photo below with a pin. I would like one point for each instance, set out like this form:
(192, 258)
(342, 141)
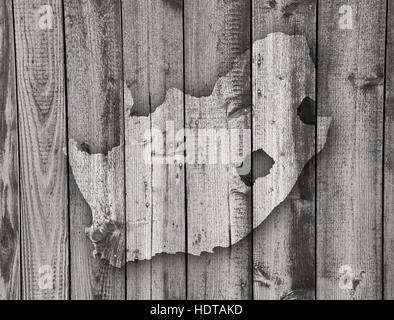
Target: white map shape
(283, 76)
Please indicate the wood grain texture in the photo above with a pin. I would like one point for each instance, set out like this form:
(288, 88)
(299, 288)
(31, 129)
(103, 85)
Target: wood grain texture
(388, 256)
(9, 168)
(216, 34)
(95, 113)
(42, 131)
(349, 170)
(139, 223)
(286, 16)
(283, 247)
(153, 64)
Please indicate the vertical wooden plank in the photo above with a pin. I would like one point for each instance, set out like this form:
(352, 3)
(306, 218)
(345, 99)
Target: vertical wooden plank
(217, 70)
(153, 72)
(388, 241)
(9, 168)
(42, 131)
(138, 188)
(283, 246)
(95, 114)
(351, 50)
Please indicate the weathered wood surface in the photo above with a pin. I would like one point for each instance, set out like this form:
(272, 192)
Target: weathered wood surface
(283, 82)
(349, 170)
(42, 136)
(388, 241)
(137, 69)
(283, 247)
(217, 33)
(9, 167)
(96, 154)
(153, 68)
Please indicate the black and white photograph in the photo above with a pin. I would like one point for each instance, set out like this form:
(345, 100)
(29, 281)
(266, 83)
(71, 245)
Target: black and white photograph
(196, 150)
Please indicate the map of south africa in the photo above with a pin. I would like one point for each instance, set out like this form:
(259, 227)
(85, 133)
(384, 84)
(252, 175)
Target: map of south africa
(282, 131)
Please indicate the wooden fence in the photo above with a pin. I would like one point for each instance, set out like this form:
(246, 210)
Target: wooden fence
(83, 215)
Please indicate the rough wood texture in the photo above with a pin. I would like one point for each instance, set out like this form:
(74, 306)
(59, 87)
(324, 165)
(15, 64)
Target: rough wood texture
(95, 113)
(216, 34)
(253, 129)
(283, 84)
(286, 16)
(153, 59)
(388, 240)
(284, 245)
(42, 136)
(9, 168)
(349, 175)
(233, 155)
